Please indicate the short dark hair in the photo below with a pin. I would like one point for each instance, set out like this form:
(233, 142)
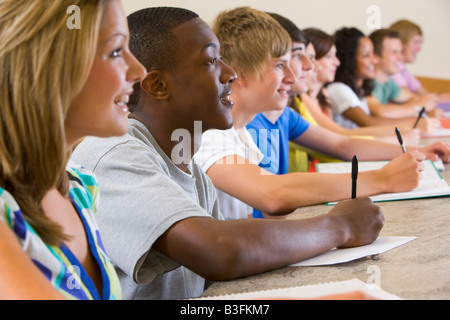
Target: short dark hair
(152, 40)
(378, 37)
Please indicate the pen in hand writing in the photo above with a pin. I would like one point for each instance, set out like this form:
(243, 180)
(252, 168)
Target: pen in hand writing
(354, 175)
(420, 116)
(400, 139)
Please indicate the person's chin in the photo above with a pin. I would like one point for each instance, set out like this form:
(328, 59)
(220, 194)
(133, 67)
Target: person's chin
(120, 130)
(224, 124)
(283, 103)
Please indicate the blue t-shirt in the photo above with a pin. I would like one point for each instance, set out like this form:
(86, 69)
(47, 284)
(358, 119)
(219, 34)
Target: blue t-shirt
(273, 140)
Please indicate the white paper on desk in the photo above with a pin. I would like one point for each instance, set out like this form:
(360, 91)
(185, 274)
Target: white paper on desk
(431, 185)
(335, 256)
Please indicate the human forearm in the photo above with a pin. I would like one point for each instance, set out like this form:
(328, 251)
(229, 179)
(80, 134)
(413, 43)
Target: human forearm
(223, 250)
(368, 150)
(395, 111)
(411, 137)
(381, 121)
(303, 189)
(345, 147)
(367, 120)
(282, 242)
(259, 245)
(375, 131)
(282, 194)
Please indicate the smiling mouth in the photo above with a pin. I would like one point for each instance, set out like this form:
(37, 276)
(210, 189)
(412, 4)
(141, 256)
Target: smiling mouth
(122, 102)
(226, 99)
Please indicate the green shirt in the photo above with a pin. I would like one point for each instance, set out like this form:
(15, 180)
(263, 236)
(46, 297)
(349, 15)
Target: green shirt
(386, 92)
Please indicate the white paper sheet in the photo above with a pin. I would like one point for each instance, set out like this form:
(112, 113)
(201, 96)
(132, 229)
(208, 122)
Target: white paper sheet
(335, 256)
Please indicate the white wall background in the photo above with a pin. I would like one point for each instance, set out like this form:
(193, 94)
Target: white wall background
(432, 15)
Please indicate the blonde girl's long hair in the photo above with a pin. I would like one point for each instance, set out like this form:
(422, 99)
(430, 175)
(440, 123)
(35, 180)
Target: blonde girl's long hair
(44, 65)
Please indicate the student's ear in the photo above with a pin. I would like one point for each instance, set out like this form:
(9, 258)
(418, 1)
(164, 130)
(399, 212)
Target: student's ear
(155, 86)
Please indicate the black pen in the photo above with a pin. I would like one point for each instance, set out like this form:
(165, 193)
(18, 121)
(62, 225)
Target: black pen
(420, 116)
(400, 139)
(354, 175)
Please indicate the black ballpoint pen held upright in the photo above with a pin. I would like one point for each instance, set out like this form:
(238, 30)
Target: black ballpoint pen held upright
(400, 139)
(354, 175)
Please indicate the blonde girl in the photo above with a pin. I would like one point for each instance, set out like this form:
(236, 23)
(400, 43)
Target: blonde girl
(58, 85)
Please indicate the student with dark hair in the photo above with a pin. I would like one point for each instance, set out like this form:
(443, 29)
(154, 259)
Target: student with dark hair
(354, 82)
(159, 213)
(388, 99)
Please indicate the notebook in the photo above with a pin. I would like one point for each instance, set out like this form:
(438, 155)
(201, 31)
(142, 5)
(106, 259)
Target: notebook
(431, 185)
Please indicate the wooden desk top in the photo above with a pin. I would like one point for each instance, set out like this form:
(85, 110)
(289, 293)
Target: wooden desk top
(419, 269)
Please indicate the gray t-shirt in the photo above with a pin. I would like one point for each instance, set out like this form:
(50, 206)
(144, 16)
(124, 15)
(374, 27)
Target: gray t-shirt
(142, 195)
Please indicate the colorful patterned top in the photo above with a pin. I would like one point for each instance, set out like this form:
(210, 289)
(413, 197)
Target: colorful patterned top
(58, 264)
